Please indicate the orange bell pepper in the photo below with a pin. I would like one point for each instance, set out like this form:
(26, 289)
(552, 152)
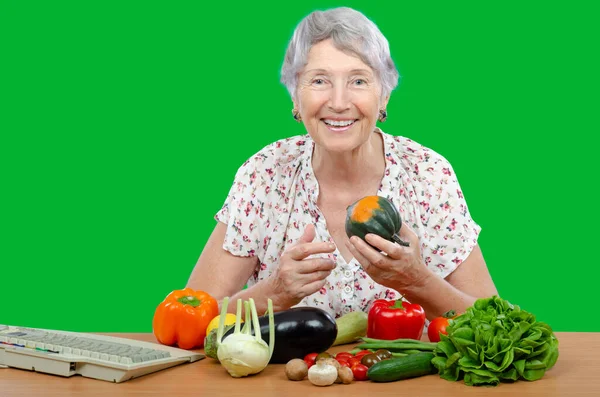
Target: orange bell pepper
(182, 317)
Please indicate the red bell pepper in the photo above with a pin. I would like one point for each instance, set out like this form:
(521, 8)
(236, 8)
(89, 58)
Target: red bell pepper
(395, 320)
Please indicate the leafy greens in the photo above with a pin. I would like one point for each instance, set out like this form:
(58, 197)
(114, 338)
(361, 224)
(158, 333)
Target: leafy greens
(495, 341)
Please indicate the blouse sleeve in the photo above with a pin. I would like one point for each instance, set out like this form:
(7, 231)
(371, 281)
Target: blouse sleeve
(242, 211)
(450, 234)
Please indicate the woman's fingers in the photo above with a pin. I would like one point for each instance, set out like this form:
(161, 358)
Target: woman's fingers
(309, 266)
(313, 287)
(304, 250)
(392, 249)
(356, 247)
(308, 235)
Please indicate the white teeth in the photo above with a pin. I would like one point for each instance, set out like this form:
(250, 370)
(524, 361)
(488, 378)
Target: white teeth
(339, 123)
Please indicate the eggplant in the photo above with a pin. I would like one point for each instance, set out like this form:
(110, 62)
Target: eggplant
(298, 332)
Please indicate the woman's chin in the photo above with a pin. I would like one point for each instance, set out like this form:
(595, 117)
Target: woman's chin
(340, 144)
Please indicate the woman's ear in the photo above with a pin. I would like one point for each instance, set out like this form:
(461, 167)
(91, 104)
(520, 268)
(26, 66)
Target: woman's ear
(384, 102)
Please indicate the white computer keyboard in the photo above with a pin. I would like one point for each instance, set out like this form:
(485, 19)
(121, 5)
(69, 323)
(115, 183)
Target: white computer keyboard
(94, 356)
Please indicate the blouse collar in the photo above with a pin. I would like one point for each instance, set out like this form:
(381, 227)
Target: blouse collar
(311, 184)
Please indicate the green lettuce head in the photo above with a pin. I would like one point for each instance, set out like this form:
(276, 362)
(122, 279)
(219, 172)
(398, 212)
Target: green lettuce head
(495, 341)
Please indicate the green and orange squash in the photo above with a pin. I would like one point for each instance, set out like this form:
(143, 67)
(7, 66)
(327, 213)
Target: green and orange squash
(377, 215)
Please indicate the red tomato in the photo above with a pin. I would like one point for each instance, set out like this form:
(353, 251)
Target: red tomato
(354, 360)
(362, 353)
(344, 356)
(360, 372)
(438, 325)
(310, 359)
(343, 363)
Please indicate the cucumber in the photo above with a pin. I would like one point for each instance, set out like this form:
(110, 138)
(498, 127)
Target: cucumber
(393, 369)
(351, 327)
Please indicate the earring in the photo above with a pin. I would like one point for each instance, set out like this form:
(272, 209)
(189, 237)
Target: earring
(382, 115)
(296, 115)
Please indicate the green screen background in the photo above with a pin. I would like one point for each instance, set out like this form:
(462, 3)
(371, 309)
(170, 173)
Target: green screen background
(123, 122)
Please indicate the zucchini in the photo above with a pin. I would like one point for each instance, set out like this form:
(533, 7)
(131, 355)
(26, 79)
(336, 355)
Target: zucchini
(393, 369)
(351, 327)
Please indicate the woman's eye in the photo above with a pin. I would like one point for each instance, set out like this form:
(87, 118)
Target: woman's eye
(359, 82)
(318, 81)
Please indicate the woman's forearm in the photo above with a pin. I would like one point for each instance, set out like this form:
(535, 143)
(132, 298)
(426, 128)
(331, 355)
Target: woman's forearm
(437, 296)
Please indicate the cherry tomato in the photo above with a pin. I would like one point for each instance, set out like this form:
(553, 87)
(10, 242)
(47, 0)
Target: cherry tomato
(383, 354)
(360, 372)
(344, 356)
(343, 363)
(369, 359)
(362, 353)
(310, 359)
(354, 360)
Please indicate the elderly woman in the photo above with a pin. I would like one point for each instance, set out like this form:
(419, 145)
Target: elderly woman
(281, 228)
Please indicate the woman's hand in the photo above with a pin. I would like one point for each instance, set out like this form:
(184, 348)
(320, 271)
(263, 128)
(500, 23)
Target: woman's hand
(298, 276)
(398, 267)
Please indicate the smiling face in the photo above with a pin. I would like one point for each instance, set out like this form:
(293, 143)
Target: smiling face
(338, 97)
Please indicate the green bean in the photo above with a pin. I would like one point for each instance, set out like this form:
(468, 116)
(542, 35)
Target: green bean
(401, 340)
(397, 346)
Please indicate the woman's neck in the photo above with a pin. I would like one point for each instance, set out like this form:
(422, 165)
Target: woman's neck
(350, 169)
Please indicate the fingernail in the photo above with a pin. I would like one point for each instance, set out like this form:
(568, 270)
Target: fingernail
(331, 246)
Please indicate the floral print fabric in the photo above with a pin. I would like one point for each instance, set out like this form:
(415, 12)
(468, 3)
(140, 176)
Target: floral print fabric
(274, 196)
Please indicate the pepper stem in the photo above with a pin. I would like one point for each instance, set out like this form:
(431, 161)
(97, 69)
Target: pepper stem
(190, 300)
(398, 240)
(397, 305)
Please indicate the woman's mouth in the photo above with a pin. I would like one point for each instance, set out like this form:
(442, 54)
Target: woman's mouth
(339, 125)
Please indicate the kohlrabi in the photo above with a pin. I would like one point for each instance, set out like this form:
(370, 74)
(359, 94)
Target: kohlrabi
(242, 353)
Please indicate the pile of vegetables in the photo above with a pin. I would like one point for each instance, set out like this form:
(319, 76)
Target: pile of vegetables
(495, 341)
(491, 342)
(325, 369)
(371, 363)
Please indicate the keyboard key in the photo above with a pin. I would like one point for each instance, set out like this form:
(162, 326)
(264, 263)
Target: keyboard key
(126, 360)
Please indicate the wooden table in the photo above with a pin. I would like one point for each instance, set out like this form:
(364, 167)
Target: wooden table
(576, 373)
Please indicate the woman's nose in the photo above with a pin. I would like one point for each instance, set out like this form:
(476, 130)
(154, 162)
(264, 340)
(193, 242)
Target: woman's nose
(339, 99)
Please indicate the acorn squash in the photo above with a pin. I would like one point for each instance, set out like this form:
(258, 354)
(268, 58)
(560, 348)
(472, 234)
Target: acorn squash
(377, 215)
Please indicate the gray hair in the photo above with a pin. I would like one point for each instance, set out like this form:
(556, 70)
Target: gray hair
(350, 31)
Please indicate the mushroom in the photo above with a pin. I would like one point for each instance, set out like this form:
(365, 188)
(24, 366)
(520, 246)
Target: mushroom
(345, 375)
(296, 369)
(322, 374)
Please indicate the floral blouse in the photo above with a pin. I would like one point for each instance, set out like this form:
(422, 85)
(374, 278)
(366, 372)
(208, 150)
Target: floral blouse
(274, 196)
